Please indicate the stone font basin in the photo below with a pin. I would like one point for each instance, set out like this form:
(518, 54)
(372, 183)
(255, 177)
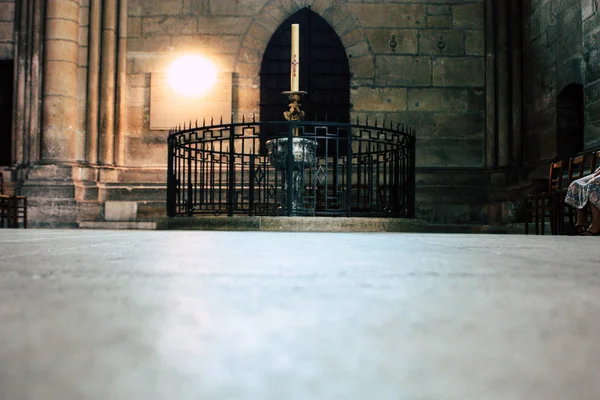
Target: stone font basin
(304, 152)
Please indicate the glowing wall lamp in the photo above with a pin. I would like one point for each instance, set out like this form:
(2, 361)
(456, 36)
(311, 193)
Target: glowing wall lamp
(192, 75)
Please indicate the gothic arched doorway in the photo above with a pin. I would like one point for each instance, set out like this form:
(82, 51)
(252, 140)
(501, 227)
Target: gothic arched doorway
(569, 121)
(324, 71)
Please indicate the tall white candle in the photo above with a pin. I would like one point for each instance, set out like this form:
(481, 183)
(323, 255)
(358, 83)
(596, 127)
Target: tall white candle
(295, 67)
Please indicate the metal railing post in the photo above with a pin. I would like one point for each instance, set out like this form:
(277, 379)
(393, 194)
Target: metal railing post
(290, 168)
(170, 179)
(411, 176)
(190, 188)
(251, 185)
(231, 181)
(349, 173)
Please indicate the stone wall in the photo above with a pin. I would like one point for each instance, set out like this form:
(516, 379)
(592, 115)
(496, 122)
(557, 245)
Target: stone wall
(7, 18)
(591, 58)
(158, 33)
(552, 60)
(432, 79)
(418, 63)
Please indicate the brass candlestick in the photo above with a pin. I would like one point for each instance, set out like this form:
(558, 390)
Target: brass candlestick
(292, 158)
(294, 113)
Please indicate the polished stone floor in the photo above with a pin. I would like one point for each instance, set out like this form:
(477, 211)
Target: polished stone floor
(258, 315)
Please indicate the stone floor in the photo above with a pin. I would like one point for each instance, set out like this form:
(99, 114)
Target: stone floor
(262, 315)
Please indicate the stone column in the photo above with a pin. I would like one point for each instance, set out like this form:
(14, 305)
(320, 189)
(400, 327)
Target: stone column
(59, 103)
(36, 82)
(106, 143)
(26, 109)
(121, 116)
(503, 94)
(91, 145)
(516, 71)
(490, 83)
(22, 63)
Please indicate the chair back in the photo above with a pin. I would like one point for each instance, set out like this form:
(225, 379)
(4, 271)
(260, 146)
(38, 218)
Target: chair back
(595, 162)
(576, 168)
(555, 177)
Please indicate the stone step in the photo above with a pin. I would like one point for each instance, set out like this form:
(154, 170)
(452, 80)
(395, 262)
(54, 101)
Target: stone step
(305, 224)
(323, 224)
(125, 225)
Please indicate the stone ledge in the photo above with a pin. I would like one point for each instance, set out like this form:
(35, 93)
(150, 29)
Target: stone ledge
(304, 224)
(237, 223)
(117, 225)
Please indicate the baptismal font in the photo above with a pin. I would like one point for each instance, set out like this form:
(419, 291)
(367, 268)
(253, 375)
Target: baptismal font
(303, 150)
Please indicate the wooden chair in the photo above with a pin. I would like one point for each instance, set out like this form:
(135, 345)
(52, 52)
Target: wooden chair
(546, 204)
(12, 208)
(595, 161)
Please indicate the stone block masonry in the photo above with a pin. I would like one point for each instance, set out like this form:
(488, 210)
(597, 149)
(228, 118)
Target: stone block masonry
(421, 49)
(420, 63)
(417, 62)
(7, 29)
(591, 72)
(120, 211)
(397, 50)
(553, 54)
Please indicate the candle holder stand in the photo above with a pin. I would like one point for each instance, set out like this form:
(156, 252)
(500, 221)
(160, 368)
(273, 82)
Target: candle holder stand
(304, 154)
(295, 113)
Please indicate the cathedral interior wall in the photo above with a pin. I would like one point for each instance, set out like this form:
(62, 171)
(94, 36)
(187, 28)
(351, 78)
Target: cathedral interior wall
(418, 64)
(560, 49)
(7, 29)
(591, 69)
(421, 63)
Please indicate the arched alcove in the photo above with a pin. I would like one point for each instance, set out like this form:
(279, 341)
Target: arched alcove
(569, 121)
(324, 70)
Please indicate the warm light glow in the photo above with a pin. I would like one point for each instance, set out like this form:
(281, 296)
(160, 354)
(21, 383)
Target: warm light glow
(192, 75)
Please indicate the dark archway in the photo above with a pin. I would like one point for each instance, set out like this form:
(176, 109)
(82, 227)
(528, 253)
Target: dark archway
(569, 121)
(324, 70)
(6, 111)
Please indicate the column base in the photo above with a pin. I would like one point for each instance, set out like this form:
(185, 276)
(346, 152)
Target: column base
(58, 195)
(62, 196)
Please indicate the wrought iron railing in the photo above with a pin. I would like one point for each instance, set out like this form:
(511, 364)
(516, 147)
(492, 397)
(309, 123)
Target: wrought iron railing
(356, 170)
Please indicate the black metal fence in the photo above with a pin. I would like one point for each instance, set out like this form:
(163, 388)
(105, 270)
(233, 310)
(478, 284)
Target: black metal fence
(338, 169)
